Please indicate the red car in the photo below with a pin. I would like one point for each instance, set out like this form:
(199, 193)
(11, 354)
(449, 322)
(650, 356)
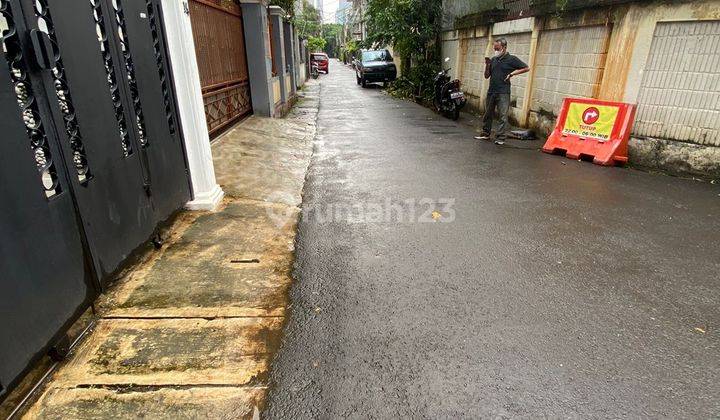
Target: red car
(322, 61)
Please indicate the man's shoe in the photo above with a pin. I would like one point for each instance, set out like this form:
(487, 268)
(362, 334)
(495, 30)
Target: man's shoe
(500, 142)
(482, 136)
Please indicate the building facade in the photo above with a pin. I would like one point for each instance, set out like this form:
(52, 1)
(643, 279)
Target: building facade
(344, 7)
(355, 25)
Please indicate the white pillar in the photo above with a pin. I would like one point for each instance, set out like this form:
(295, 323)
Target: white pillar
(181, 48)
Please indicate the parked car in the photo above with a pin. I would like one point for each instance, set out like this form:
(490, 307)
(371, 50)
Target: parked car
(375, 66)
(322, 60)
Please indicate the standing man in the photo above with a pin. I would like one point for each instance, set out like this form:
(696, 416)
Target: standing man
(500, 69)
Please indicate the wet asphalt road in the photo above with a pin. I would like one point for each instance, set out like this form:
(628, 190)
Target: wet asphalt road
(559, 289)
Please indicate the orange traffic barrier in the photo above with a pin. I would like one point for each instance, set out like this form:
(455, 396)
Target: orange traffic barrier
(592, 129)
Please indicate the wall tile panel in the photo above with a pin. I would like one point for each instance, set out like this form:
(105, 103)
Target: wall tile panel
(569, 62)
(680, 93)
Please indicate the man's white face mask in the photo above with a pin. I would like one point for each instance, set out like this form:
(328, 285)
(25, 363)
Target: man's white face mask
(497, 53)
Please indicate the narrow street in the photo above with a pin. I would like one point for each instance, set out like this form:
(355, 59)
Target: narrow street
(538, 287)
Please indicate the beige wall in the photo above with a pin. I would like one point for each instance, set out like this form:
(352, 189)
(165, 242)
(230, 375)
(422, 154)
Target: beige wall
(396, 60)
(471, 66)
(474, 65)
(449, 48)
(569, 62)
(276, 89)
(288, 83)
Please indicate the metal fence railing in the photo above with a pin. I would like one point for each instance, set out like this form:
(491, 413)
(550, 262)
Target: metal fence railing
(517, 8)
(222, 62)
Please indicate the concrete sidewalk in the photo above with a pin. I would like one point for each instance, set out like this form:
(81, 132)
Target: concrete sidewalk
(191, 332)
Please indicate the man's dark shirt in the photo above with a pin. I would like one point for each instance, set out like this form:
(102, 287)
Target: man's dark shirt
(500, 67)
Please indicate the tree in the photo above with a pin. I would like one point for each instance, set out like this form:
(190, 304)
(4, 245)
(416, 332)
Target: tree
(315, 44)
(309, 22)
(348, 51)
(412, 27)
(331, 34)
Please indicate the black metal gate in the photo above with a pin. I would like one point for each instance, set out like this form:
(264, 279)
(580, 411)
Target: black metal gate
(91, 158)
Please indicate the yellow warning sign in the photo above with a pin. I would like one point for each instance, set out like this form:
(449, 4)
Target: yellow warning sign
(586, 120)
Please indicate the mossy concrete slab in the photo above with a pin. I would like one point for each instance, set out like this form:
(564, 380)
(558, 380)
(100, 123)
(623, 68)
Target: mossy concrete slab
(235, 262)
(171, 404)
(173, 352)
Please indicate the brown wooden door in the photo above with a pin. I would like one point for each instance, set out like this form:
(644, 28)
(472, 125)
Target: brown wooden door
(220, 48)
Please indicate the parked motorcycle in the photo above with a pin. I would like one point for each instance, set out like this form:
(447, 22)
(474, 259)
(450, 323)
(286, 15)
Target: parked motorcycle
(314, 70)
(449, 99)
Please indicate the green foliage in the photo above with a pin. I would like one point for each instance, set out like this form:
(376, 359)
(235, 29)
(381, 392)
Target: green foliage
(347, 51)
(331, 30)
(316, 44)
(287, 5)
(416, 83)
(352, 46)
(412, 27)
(331, 33)
(309, 22)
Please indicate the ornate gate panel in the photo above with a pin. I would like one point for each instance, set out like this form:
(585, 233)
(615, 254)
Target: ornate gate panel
(88, 63)
(44, 280)
(169, 183)
(109, 57)
(222, 61)
(85, 91)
